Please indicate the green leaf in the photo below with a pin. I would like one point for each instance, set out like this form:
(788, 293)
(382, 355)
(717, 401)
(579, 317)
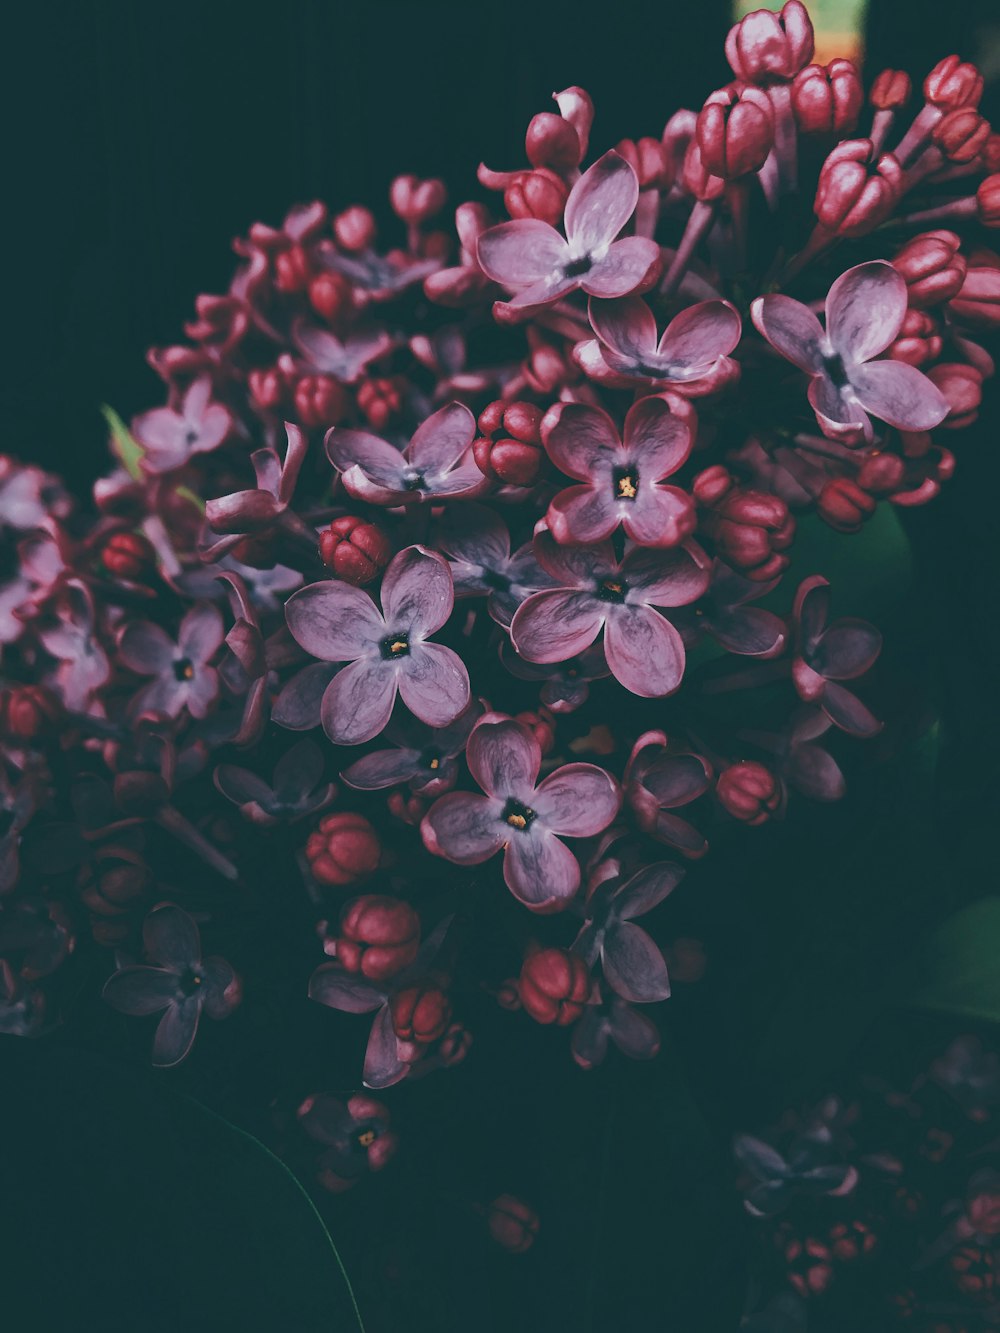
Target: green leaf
(125, 446)
(957, 970)
(186, 493)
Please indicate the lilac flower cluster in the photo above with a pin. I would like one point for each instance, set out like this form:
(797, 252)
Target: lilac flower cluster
(477, 579)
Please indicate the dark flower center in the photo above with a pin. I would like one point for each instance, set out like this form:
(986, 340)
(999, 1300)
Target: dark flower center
(431, 759)
(191, 438)
(576, 268)
(183, 669)
(366, 1138)
(493, 578)
(612, 590)
(626, 483)
(834, 367)
(517, 815)
(190, 983)
(412, 480)
(394, 647)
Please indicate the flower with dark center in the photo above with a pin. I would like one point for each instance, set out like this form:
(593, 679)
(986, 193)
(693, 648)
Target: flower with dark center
(632, 964)
(477, 544)
(657, 783)
(170, 436)
(297, 789)
(827, 653)
(356, 1137)
(423, 757)
(182, 677)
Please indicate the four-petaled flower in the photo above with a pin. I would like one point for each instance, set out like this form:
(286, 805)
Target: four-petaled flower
(387, 651)
(180, 983)
(529, 258)
(865, 309)
(598, 591)
(657, 783)
(619, 476)
(826, 654)
(693, 352)
(422, 757)
(632, 964)
(296, 791)
(182, 677)
(477, 544)
(776, 1180)
(356, 1137)
(169, 437)
(526, 818)
(437, 463)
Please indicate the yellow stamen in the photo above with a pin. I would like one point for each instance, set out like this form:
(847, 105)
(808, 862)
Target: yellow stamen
(626, 488)
(517, 821)
(366, 1138)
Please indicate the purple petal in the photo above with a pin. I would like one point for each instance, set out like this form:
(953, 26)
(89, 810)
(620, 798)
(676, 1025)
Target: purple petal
(298, 705)
(358, 701)
(748, 630)
(383, 1066)
(221, 992)
(633, 965)
(626, 325)
(442, 439)
(697, 337)
(337, 989)
(791, 328)
(519, 254)
(626, 266)
(241, 786)
(298, 772)
(464, 828)
(644, 651)
(847, 649)
(837, 409)
(676, 832)
(382, 768)
(242, 511)
(814, 772)
(589, 1042)
(677, 780)
(463, 482)
(434, 683)
(417, 592)
(552, 626)
(845, 710)
(574, 566)
(171, 938)
(583, 440)
(656, 438)
(140, 990)
(647, 889)
(659, 516)
(540, 871)
(865, 309)
(900, 395)
(162, 430)
(475, 535)
(578, 800)
(378, 460)
(600, 203)
(145, 648)
(504, 757)
(333, 621)
(584, 514)
(176, 1032)
(633, 1033)
(673, 577)
(201, 632)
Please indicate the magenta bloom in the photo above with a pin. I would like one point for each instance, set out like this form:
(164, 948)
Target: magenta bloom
(356, 1135)
(620, 477)
(826, 654)
(695, 346)
(724, 614)
(345, 361)
(69, 633)
(634, 1034)
(182, 677)
(658, 783)
(632, 964)
(169, 437)
(526, 818)
(422, 757)
(241, 513)
(477, 544)
(180, 984)
(531, 259)
(436, 463)
(387, 650)
(865, 309)
(597, 591)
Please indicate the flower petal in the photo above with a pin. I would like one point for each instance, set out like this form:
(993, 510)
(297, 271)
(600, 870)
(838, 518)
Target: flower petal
(647, 889)
(170, 937)
(630, 263)
(846, 711)
(583, 515)
(382, 768)
(635, 1035)
(644, 651)
(540, 871)
(201, 631)
(677, 780)
(838, 411)
(383, 1067)
(140, 990)
(434, 683)
(298, 705)
(379, 461)
(464, 828)
(504, 757)
(697, 337)
(176, 1032)
(660, 516)
(626, 325)
(656, 439)
(581, 439)
(337, 989)
(417, 592)
(475, 535)
(633, 965)
(674, 577)
(442, 439)
(358, 701)
(553, 626)
(847, 649)
(748, 630)
(578, 800)
(521, 253)
(865, 309)
(900, 395)
(791, 328)
(145, 648)
(333, 621)
(600, 203)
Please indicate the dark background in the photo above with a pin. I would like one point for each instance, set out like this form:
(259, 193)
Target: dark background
(142, 138)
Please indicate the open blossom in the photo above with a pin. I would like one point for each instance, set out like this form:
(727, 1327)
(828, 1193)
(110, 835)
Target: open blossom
(526, 818)
(297, 789)
(529, 257)
(657, 783)
(693, 351)
(477, 544)
(776, 1179)
(179, 983)
(827, 653)
(635, 1034)
(181, 674)
(632, 964)
(325, 354)
(865, 309)
(386, 651)
(169, 437)
(597, 591)
(620, 476)
(437, 463)
(425, 758)
(355, 1134)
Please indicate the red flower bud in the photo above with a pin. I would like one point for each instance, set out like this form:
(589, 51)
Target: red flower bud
(380, 400)
(962, 385)
(648, 158)
(319, 401)
(990, 155)
(510, 447)
(128, 555)
(420, 1014)
(267, 388)
(415, 200)
(952, 84)
(407, 807)
(512, 1223)
(554, 986)
(291, 269)
(749, 792)
(750, 528)
(977, 301)
(697, 180)
(961, 135)
(768, 48)
(827, 99)
(856, 193)
(552, 142)
(891, 90)
(343, 849)
(508, 995)
(988, 201)
(379, 936)
(537, 194)
(919, 340)
(844, 504)
(28, 712)
(542, 725)
(356, 551)
(932, 267)
(455, 1045)
(735, 131)
(330, 295)
(355, 229)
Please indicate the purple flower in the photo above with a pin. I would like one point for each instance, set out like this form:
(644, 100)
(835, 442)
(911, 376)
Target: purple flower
(386, 651)
(597, 591)
(169, 437)
(694, 350)
(465, 283)
(657, 783)
(477, 544)
(436, 463)
(377, 277)
(776, 1180)
(826, 654)
(356, 1137)
(423, 757)
(182, 677)
(635, 1035)
(724, 614)
(800, 762)
(620, 477)
(566, 685)
(527, 820)
(531, 259)
(296, 791)
(865, 309)
(29, 498)
(632, 964)
(180, 984)
(69, 634)
(243, 513)
(325, 354)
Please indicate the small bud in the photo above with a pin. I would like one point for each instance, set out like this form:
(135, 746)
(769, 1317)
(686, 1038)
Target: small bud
(291, 270)
(552, 142)
(961, 135)
(381, 401)
(855, 192)
(343, 849)
(749, 792)
(267, 388)
(554, 986)
(932, 266)
(845, 505)
(510, 447)
(128, 555)
(415, 200)
(356, 551)
(827, 99)
(319, 401)
(988, 201)
(766, 48)
(952, 84)
(696, 178)
(891, 90)
(512, 1223)
(977, 301)
(962, 386)
(355, 229)
(379, 936)
(537, 194)
(420, 1014)
(542, 726)
(330, 295)
(919, 340)
(28, 712)
(735, 131)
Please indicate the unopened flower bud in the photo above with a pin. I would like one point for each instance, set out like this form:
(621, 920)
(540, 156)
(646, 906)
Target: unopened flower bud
(855, 192)
(554, 986)
(512, 1223)
(537, 194)
(696, 178)
(953, 83)
(648, 158)
(542, 726)
(827, 99)
(330, 295)
(128, 555)
(291, 269)
(988, 201)
(735, 131)
(379, 936)
(891, 90)
(357, 551)
(28, 712)
(844, 504)
(343, 849)
(977, 301)
(455, 1045)
(406, 806)
(990, 154)
(766, 48)
(750, 528)
(919, 340)
(319, 401)
(932, 266)
(267, 388)
(420, 1014)
(552, 142)
(508, 995)
(381, 401)
(962, 386)
(355, 229)
(749, 792)
(510, 446)
(416, 200)
(961, 134)
(881, 474)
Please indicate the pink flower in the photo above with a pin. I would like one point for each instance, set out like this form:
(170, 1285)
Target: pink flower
(170, 437)
(531, 259)
(865, 309)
